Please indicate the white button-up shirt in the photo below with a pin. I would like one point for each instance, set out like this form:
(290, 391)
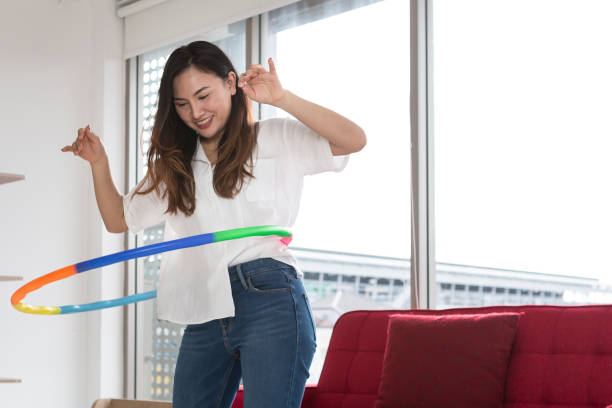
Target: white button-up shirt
(194, 284)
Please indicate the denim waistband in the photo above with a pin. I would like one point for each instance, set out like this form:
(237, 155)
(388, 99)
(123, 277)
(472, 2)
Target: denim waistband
(256, 265)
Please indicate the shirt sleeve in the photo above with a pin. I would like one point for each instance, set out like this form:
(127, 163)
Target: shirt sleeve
(143, 211)
(310, 151)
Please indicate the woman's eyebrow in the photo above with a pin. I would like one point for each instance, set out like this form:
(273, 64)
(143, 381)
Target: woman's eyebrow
(194, 94)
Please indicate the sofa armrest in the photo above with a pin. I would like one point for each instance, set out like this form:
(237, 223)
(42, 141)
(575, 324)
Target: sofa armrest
(309, 393)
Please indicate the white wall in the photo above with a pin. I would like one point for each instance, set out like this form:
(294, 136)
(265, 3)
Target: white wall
(60, 69)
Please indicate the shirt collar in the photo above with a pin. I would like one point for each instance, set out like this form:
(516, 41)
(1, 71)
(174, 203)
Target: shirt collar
(199, 155)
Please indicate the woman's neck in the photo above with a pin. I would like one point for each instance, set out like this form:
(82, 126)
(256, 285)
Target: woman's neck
(210, 149)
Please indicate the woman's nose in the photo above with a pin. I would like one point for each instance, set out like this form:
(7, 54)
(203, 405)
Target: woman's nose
(198, 110)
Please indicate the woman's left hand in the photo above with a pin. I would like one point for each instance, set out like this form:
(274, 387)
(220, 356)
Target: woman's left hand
(262, 86)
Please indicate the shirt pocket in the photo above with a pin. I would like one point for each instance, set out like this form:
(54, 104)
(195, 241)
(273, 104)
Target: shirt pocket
(263, 186)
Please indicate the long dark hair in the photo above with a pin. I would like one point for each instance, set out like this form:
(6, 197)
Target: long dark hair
(173, 143)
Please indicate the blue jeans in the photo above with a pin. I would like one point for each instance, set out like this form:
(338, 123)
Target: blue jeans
(269, 344)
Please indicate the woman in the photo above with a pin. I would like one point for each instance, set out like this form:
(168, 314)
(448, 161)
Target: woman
(211, 168)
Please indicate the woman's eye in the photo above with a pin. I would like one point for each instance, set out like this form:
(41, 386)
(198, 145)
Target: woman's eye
(181, 105)
(203, 97)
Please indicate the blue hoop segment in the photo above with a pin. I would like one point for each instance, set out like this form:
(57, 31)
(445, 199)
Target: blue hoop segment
(152, 249)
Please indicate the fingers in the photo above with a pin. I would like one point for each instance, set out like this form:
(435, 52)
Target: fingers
(247, 76)
(77, 146)
(245, 84)
(272, 66)
(257, 75)
(89, 134)
(258, 68)
(261, 70)
(71, 148)
(253, 72)
(74, 147)
(247, 89)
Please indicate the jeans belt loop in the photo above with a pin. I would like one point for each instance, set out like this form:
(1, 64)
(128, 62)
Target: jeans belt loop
(241, 276)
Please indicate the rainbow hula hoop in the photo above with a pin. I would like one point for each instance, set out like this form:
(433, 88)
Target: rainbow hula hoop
(152, 249)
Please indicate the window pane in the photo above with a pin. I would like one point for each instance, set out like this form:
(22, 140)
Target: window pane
(522, 146)
(352, 237)
(161, 339)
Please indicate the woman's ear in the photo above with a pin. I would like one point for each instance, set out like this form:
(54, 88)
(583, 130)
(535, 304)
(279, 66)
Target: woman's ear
(231, 82)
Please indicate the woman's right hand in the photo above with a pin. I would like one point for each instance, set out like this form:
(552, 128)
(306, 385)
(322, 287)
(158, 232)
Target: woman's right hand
(87, 146)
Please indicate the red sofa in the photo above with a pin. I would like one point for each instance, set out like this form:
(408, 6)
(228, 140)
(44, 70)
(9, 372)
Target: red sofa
(561, 358)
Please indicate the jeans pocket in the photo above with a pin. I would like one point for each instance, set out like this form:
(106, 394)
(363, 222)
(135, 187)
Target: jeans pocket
(270, 281)
(312, 321)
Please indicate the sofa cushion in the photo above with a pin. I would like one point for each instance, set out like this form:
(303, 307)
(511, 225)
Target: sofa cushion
(446, 361)
(562, 358)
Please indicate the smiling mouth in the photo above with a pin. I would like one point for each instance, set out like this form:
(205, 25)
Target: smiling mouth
(202, 124)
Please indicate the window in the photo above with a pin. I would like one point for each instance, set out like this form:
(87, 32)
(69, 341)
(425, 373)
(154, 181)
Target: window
(522, 146)
(352, 237)
(353, 226)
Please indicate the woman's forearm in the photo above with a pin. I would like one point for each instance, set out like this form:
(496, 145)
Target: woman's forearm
(110, 202)
(344, 136)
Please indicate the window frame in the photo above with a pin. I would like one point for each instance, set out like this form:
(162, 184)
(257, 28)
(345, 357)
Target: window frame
(423, 264)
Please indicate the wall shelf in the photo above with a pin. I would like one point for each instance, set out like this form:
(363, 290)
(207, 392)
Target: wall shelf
(9, 380)
(9, 177)
(5, 278)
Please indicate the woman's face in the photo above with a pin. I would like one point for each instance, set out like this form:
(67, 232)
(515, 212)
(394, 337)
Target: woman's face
(203, 101)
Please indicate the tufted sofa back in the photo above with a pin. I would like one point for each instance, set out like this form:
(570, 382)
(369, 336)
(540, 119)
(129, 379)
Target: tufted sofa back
(561, 358)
